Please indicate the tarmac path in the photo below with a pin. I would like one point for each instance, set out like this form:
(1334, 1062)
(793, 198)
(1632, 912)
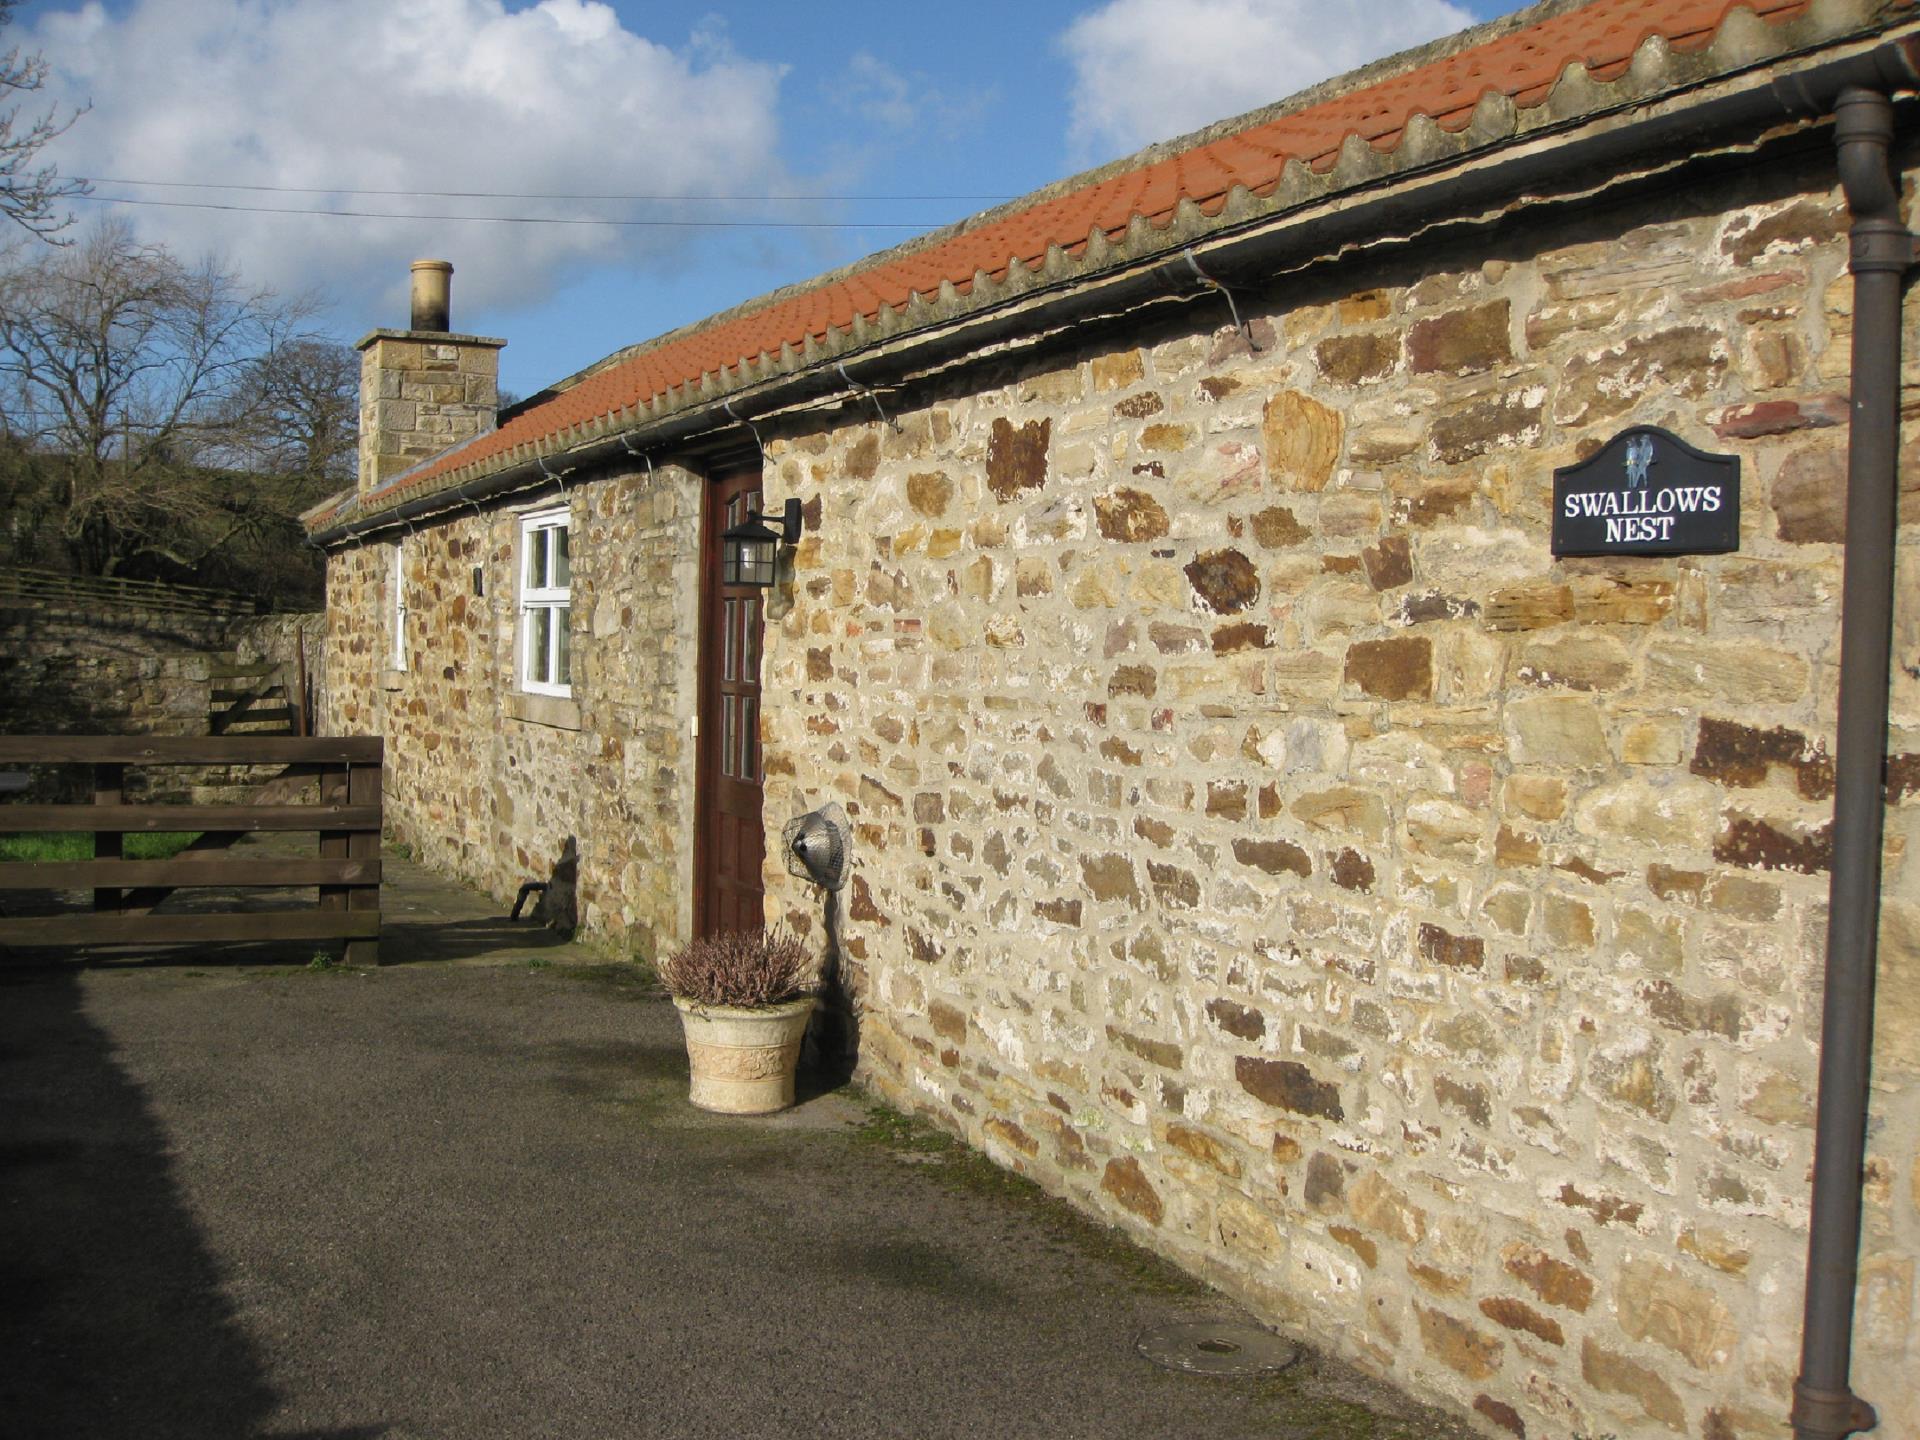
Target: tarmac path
(463, 1197)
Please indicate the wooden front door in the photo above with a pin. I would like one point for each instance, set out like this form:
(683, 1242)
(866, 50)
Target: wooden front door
(729, 893)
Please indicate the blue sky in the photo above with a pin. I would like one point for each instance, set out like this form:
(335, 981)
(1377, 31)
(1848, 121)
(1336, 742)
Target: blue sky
(853, 123)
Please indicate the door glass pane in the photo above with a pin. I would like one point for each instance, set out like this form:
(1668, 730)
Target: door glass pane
(726, 642)
(749, 738)
(562, 562)
(562, 645)
(749, 641)
(728, 732)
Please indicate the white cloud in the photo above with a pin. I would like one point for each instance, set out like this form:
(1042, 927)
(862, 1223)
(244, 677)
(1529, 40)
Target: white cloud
(408, 95)
(1147, 70)
(895, 105)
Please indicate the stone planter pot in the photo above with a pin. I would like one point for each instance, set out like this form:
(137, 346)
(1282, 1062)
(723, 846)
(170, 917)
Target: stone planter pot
(743, 1060)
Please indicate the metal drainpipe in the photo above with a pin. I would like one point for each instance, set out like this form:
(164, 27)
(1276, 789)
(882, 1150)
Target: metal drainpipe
(1824, 1405)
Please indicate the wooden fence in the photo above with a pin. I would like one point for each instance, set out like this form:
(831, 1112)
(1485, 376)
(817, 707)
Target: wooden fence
(54, 587)
(126, 892)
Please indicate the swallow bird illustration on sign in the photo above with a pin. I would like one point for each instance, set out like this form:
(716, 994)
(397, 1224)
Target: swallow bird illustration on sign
(1639, 457)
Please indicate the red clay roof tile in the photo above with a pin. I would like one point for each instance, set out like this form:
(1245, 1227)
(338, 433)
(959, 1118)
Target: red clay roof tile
(1523, 65)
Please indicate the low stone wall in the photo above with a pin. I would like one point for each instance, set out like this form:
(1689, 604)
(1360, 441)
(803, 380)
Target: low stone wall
(1263, 841)
(109, 670)
(116, 672)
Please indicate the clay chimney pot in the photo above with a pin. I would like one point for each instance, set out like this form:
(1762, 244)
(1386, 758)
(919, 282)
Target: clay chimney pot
(432, 291)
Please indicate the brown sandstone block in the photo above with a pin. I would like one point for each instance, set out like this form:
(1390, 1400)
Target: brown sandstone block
(1118, 370)
(1601, 384)
(1127, 514)
(1558, 731)
(1236, 1019)
(1461, 342)
(1656, 1302)
(1301, 441)
(1016, 457)
(1246, 1229)
(1400, 668)
(1326, 1180)
(1288, 1085)
(1613, 1373)
(1274, 857)
(1508, 420)
(1205, 1148)
(1518, 1315)
(1225, 580)
(1458, 952)
(1554, 1281)
(1127, 1183)
(1357, 359)
(1458, 1345)
(1111, 877)
(1011, 1135)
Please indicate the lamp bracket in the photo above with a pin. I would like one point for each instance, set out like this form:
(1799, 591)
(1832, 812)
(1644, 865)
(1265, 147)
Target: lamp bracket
(789, 520)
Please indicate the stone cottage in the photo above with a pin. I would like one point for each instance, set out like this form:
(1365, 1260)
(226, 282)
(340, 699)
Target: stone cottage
(1269, 833)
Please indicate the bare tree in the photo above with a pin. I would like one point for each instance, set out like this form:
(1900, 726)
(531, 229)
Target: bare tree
(124, 378)
(297, 415)
(31, 192)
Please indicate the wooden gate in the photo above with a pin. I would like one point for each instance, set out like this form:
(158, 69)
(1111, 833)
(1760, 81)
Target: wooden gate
(345, 872)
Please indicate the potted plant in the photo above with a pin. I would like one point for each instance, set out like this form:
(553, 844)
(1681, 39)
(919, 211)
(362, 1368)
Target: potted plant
(744, 997)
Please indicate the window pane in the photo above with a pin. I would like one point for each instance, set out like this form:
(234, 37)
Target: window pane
(539, 643)
(562, 559)
(562, 644)
(536, 559)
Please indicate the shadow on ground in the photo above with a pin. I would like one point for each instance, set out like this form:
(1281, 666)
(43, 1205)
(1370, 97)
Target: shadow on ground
(111, 1312)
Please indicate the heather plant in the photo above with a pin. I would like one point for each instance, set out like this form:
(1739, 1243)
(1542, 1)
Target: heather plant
(741, 968)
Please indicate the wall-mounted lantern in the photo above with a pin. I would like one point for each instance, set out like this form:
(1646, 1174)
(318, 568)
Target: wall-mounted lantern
(749, 551)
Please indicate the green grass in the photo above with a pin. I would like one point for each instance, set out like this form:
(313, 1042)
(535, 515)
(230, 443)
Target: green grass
(78, 845)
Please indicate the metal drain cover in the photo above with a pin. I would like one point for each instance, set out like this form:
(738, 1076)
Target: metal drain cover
(1214, 1347)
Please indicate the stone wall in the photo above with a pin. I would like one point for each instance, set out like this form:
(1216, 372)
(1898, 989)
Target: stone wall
(1264, 843)
(487, 783)
(107, 672)
(122, 670)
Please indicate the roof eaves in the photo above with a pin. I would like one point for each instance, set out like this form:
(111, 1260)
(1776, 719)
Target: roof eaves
(1658, 67)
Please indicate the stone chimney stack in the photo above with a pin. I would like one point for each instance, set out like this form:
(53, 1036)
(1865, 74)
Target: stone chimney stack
(425, 388)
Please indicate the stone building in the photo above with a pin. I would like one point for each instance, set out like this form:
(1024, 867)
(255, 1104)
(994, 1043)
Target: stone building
(1262, 838)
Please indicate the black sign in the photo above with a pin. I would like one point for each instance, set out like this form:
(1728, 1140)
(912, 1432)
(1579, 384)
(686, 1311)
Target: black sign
(1647, 493)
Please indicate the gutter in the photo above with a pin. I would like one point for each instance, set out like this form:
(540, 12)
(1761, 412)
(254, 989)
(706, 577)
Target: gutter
(1237, 257)
(1824, 1405)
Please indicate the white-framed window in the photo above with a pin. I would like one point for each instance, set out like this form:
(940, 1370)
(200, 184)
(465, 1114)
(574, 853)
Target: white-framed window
(546, 604)
(397, 587)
